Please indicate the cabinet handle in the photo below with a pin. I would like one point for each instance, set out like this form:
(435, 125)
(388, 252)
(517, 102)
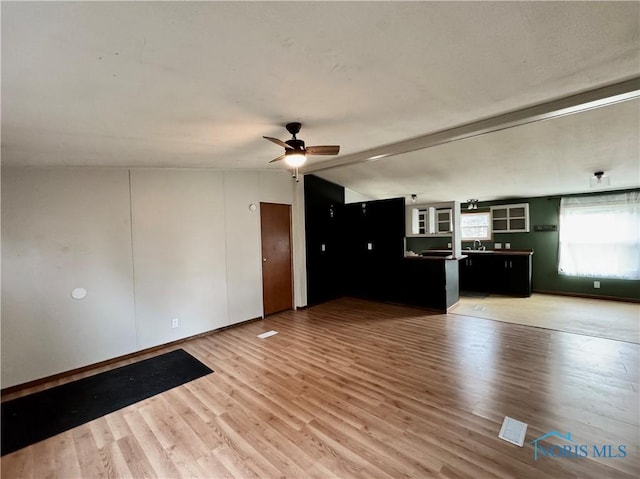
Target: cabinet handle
(505, 264)
(510, 264)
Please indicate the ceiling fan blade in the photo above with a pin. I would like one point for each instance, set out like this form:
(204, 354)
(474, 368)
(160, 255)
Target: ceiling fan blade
(323, 150)
(281, 157)
(278, 142)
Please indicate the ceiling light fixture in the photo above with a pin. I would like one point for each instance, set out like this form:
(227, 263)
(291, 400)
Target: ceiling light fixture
(294, 158)
(472, 204)
(414, 198)
(599, 179)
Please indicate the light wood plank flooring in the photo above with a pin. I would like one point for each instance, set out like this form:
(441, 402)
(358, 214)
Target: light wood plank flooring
(357, 389)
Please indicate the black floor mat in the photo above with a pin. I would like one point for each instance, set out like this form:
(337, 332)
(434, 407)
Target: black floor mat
(44, 414)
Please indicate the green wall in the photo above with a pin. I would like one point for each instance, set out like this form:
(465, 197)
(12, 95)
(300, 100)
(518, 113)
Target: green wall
(545, 277)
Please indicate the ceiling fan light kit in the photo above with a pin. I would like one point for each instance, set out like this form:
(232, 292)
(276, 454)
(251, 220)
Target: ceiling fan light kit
(294, 158)
(295, 152)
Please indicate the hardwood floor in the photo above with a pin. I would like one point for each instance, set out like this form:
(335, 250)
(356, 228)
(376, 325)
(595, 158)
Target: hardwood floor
(359, 389)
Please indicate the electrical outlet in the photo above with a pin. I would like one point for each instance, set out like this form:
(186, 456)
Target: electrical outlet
(175, 322)
(596, 284)
(370, 246)
(507, 246)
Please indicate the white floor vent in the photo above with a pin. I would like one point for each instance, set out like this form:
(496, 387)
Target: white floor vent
(267, 334)
(513, 431)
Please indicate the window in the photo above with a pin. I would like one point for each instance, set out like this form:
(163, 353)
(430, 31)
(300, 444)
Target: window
(476, 226)
(600, 236)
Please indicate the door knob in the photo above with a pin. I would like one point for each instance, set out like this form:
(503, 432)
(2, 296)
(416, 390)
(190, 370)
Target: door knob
(264, 260)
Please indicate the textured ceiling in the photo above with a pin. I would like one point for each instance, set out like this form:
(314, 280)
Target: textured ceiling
(197, 84)
(538, 159)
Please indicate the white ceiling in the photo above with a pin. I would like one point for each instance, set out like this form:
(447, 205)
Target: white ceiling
(197, 84)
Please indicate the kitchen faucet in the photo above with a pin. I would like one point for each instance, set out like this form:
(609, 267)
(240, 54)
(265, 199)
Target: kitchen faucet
(477, 245)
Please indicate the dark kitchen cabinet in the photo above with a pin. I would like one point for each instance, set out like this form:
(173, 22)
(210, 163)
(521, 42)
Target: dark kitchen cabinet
(499, 273)
(429, 282)
(472, 274)
(352, 249)
(374, 248)
(511, 275)
(324, 207)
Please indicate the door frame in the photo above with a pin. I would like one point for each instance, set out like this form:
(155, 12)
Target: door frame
(291, 256)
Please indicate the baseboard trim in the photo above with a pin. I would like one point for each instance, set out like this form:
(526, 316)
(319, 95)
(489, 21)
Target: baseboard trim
(587, 296)
(453, 306)
(65, 374)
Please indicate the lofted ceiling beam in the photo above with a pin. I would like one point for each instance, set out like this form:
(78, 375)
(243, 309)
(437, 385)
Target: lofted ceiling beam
(588, 100)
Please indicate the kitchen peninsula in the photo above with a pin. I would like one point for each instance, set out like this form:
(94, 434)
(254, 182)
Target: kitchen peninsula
(503, 271)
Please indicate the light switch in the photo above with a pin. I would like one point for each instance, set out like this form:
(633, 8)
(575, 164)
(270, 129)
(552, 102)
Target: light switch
(322, 247)
(369, 246)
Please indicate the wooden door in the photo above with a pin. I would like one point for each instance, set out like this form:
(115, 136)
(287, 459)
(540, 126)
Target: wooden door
(277, 277)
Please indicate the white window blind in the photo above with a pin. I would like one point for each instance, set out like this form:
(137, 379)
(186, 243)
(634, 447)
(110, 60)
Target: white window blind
(600, 236)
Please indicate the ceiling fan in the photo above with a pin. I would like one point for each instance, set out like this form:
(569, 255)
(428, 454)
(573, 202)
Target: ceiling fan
(295, 153)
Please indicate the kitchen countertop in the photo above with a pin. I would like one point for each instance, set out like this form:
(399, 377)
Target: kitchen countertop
(510, 252)
(435, 256)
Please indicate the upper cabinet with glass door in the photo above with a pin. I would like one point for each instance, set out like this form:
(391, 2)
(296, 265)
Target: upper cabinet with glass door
(443, 221)
(510, 218)
(422, 215)
(429, 220)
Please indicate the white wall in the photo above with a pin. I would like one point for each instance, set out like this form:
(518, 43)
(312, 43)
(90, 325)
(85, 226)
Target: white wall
(192, 252)
(351, 196)
(276, 187)
(300, 244)
(244, 258)
(280, 187)
(63, 229)
(179, 253)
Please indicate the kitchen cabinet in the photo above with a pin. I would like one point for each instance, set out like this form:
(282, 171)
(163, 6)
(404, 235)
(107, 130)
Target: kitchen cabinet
(443, 221)
(429, 219)
(351, 248)
(499, 273)
(357, 249)
(510, 218)
(429, 282)
(374, 246)
(511, 275)
(472, 273)
(324, 208)
(422, 224)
